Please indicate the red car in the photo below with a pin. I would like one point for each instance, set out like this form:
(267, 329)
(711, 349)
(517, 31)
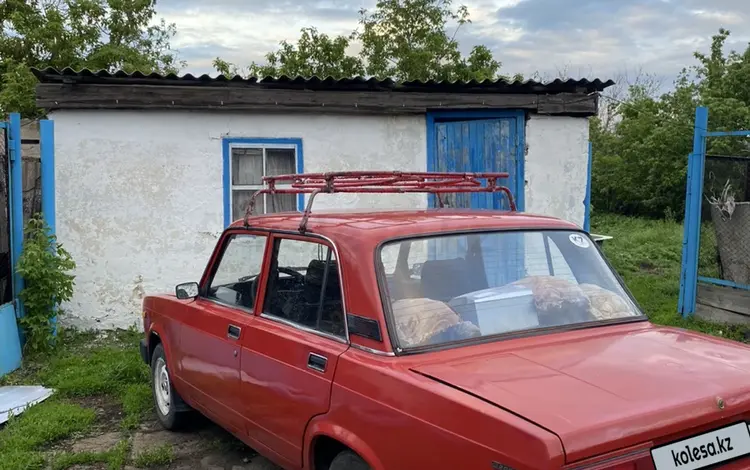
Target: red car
(437, 339)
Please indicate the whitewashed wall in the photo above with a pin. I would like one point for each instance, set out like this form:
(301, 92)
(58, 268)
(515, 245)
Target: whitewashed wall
(556, 166)
(140, 196)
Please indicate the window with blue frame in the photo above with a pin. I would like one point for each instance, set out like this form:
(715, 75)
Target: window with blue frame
(247, 162)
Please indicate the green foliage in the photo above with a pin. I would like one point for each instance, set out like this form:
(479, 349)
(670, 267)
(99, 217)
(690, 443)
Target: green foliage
(647, 254)
(44, 265)
(400, 39)
(314, 54)
(95, 34)
(408, 40)
(641, 149)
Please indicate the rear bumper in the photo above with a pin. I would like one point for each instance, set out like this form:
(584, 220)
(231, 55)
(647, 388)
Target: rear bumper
(144, 351)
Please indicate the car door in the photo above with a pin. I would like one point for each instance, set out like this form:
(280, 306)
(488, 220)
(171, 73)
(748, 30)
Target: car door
(290, 353)
(216, 323)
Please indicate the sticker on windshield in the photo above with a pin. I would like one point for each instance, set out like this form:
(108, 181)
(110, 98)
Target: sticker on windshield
(579, 240)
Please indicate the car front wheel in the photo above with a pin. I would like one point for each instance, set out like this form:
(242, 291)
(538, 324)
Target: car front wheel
(348, 460)
(167, 401)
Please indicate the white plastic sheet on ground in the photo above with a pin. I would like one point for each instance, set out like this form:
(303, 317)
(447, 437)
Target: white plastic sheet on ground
(15, 399)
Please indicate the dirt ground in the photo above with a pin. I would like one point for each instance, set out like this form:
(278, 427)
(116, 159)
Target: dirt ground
(203, 446)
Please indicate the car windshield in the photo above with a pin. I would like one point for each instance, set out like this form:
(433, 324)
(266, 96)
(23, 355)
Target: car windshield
(442, 289)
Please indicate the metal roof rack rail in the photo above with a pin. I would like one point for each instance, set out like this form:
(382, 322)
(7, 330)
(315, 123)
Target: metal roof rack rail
(379, 182)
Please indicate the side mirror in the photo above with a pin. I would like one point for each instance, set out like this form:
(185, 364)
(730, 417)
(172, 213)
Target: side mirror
(187, 290)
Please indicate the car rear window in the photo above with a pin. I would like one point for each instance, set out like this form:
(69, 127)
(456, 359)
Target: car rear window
(442, 289)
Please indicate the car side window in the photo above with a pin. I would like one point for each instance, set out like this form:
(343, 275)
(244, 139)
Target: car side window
(235, 280)
(304, 286)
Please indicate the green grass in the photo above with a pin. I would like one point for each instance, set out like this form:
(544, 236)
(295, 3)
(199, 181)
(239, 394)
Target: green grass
(44, 424)
(26, 435)
(82, 367)
(137, 402)
(161, 455)
(104, 370)
(648, 255)
(115, 458)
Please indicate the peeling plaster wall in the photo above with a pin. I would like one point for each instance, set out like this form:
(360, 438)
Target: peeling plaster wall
(139, 194)
(556, 166)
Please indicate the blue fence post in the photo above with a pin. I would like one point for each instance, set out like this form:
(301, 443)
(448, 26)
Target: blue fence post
(47, 151)
(692, 224)
(587, 200)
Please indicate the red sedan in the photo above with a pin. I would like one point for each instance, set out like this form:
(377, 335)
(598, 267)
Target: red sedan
(437, 339)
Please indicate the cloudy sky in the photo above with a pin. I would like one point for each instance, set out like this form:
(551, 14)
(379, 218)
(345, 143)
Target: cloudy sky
(586, 38)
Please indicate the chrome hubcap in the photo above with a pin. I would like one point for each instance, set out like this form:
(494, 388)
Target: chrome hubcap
(161, 386)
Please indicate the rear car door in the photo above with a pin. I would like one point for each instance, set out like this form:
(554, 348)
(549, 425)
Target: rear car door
(290, 353)
(217, 321)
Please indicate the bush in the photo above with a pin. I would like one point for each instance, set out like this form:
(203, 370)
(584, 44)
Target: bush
(44, 265)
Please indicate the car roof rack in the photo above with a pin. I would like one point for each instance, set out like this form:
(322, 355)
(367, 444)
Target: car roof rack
(379, 182)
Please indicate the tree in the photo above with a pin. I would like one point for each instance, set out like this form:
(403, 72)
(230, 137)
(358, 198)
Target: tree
(640, 157)
(315, 54)
(94, 34)
(400, 39)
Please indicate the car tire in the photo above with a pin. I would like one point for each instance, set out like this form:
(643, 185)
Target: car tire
(348, 460)
(169, 406)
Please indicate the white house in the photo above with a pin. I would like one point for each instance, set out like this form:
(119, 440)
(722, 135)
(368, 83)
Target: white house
(150, 169)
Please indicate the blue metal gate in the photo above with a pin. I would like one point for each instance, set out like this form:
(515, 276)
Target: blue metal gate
(721, 292)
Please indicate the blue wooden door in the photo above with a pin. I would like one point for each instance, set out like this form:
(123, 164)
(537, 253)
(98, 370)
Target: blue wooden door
(477, 146)
(481, 145)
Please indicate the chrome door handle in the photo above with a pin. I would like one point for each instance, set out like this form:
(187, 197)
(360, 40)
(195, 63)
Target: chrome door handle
(233, 332)
(317, 362)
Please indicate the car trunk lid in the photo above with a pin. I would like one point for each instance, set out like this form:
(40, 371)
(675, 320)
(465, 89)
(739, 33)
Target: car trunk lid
(600, 392)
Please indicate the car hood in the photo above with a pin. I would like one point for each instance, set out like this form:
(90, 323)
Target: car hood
(599, 392)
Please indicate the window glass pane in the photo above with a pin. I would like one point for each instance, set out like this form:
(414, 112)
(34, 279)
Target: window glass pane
(240, 200)
(296, 287)
(235, 279)
(281, 203)
(389, 257)
(280, 162)
(247, 166)
(465, 286)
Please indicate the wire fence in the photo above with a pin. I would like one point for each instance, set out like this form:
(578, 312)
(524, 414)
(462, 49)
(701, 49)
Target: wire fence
(725, 245)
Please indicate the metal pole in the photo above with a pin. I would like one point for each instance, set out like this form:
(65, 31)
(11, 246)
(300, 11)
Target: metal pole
(47, 151)
(692, 227)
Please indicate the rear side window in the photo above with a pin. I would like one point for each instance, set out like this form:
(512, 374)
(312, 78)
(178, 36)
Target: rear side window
(304, 286)
(235, 281)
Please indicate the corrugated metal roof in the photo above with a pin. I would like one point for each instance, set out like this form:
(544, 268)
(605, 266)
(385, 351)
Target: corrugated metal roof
(51, 75)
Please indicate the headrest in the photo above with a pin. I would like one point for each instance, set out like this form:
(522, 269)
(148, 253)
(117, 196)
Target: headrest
(316, 270)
